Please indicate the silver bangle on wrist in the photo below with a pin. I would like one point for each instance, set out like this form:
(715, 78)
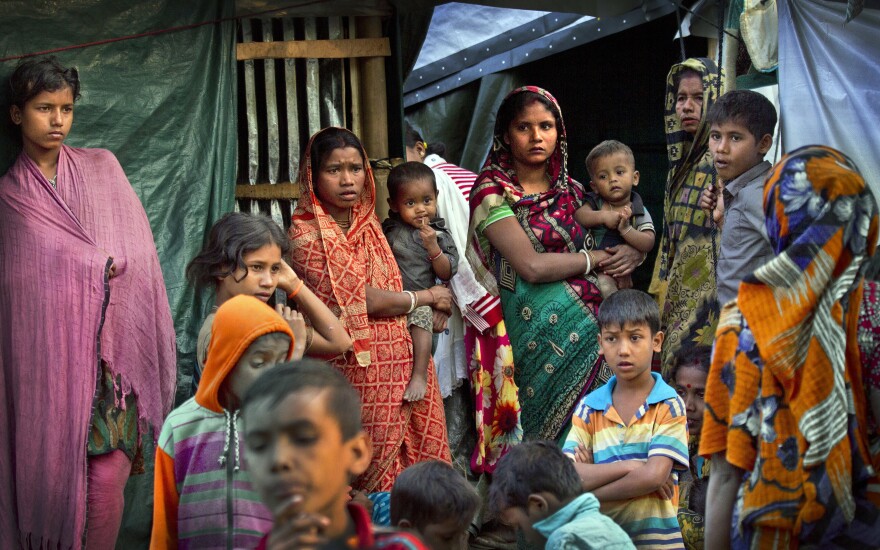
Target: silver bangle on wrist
(589, 261)
(413, 299)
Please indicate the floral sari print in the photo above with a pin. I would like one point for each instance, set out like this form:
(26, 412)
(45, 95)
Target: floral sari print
(337, 267)
(528, 378)
(784, 398)
(684, 273)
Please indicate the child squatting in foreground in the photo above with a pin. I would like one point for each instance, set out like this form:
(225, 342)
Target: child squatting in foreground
(537, 489)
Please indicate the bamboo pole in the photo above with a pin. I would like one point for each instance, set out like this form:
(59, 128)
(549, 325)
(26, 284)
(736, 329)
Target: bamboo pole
(374, 105)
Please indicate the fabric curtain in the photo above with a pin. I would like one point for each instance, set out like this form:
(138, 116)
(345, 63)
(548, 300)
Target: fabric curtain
(829, 81)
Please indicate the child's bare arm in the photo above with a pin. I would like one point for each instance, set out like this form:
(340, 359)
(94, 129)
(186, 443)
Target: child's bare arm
(595, 476)
(724, 480)
(587, 217)
(647, 478)
(643, 241)
(329, 336)
(297, 326)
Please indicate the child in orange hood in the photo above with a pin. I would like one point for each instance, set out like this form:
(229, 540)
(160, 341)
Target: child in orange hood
(201, 476)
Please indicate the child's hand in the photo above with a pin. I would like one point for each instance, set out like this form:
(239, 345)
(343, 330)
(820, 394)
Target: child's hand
(625, 214)
(288, 280)
(429, 237)
(583, 455)
(610, 219)
(293, 529)
(415, 390)
(667, 490)
(712, 203)
(440, 321)
(442, 298)
(112, 271)
(297, 325)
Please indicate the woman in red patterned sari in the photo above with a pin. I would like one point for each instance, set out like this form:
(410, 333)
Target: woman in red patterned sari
(343, 257)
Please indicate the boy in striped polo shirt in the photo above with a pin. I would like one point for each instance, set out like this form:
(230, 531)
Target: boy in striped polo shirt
(629, 438)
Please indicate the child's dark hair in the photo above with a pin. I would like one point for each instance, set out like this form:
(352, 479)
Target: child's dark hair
(342, 401)
(529, 468)
(231, 237)
(751, 109)
(409, 172)
(629, 306)
(606, 149)
(45, 74)
(698, 356)
(432, 492)
(517, 104)
(330, 139)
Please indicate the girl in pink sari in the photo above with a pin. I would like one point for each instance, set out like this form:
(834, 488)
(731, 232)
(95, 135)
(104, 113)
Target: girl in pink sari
(87, 354)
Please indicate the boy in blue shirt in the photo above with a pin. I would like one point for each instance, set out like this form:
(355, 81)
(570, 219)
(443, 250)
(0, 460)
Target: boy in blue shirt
(629, 437)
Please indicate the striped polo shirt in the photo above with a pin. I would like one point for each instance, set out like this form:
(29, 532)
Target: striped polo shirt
(659, 428)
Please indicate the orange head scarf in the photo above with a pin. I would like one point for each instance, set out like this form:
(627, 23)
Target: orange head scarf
(338, 266)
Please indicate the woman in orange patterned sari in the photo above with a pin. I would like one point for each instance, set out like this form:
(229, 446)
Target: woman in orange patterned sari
(342, 256)
(785, 420)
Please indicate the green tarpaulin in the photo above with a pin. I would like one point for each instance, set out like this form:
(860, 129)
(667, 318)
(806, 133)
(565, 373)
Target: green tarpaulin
(165, 105)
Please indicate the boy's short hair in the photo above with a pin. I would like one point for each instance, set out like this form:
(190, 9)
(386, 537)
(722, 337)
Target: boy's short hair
(407, 172)
(432, 492)
(751, 109)
(629, 306)
(280, 381)
(607, 148)
(529, 468)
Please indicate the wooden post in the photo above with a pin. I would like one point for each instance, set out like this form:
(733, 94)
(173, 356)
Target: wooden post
(374, 105)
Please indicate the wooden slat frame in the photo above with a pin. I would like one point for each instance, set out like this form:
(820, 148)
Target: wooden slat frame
(315, 49)
(268, 191)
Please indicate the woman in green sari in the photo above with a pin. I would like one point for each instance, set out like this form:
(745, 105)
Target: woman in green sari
(526, 248)
(684, 275)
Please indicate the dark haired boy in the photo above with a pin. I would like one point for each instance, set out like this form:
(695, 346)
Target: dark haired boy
(424, 251)
(536, 488)
(612, 210)
(740, 134)
(629, 437)
(436, 502)
(305, 444)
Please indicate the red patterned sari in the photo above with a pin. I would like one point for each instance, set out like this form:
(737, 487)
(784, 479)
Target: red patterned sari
(338, 267)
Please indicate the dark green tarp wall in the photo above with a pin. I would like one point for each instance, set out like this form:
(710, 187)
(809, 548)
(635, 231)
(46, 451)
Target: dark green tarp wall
(165, 105)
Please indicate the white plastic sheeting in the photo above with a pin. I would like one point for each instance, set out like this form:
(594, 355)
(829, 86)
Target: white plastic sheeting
(829, 81)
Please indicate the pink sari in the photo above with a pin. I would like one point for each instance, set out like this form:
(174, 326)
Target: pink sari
(61, 316)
